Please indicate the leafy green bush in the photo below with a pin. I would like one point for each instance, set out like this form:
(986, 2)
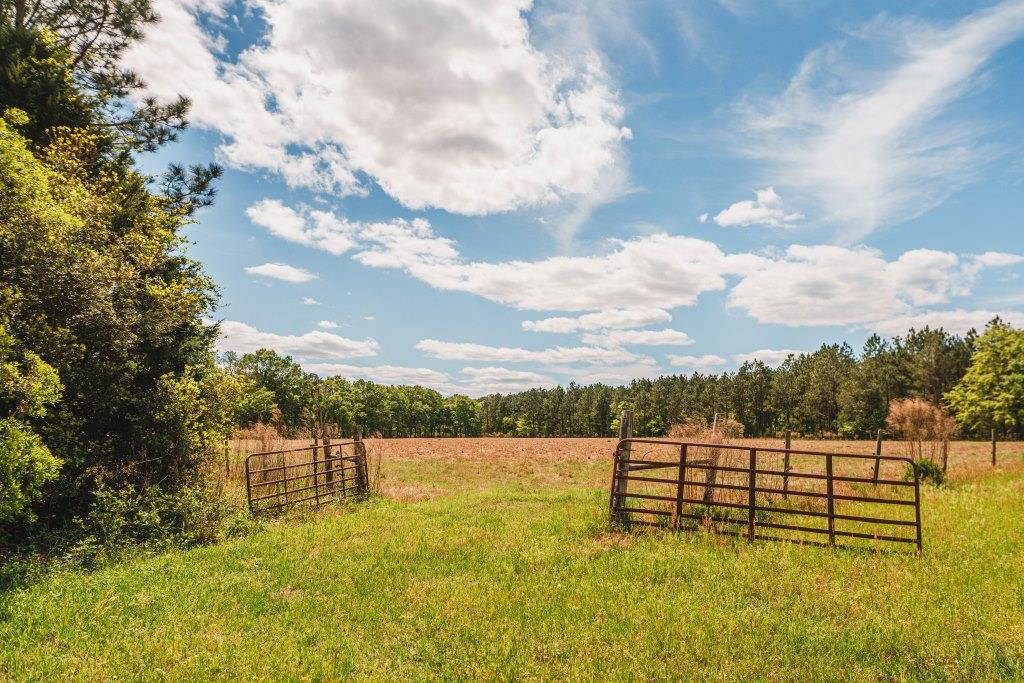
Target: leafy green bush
(928, 470)
(152, 518)
(25, 465)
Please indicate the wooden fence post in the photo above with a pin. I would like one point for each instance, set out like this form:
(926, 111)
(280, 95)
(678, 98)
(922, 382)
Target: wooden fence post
(878, 453)
(362, 477)
(316, 472)
(785, 464)
(751, 494)
(945, 454)
(680, 488)
(993, 447)
(831, 500)
(622, 467)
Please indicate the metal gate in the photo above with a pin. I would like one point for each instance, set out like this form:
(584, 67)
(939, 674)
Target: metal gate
(742, 490)
(314, 474)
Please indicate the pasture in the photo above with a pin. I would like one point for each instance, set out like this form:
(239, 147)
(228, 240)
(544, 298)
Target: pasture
(493, 558)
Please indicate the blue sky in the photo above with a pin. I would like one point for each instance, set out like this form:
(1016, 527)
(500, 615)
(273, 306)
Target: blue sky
(486, 196)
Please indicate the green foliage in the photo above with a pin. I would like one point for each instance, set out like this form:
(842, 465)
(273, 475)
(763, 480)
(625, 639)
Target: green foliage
(27, 386)
(128, 519)
(927, 470)
(92, 283)
(991, 393)
(25, 465)
(517, 583)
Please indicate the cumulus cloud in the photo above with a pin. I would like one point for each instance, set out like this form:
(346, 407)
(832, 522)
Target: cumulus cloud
(770, 357)
(801, 285)
(282, 271)
(614, 318)
(559, 354)
(309, 301)
(385, 374)
(446, 104)
(310, 227)
(492, 380)
(705, 362)
(242, 338)
(766, 209)
(831, 285)
(327, 325)
(955, 321)
(874, 141)
(641, 337)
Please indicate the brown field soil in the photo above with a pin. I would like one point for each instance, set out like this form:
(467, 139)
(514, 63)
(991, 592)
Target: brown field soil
(423, 468)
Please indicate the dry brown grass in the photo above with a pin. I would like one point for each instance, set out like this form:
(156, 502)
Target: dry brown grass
(418, 469)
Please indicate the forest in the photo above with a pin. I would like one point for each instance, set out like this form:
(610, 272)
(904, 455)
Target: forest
(832, 392)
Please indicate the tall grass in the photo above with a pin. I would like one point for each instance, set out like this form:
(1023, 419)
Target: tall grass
(512, 581)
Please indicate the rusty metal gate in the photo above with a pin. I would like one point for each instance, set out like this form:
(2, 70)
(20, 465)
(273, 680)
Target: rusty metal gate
(742, 490)
(313, 474)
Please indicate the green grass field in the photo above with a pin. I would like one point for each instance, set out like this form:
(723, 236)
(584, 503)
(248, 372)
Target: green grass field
(507, 581)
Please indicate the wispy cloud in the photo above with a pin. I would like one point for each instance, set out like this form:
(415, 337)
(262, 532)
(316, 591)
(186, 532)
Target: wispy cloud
(559, 354)
(639, 337)
(872, 146)
(705, 362)
(243, 338)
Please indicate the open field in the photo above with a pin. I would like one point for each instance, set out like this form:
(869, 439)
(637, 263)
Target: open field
(492, 558)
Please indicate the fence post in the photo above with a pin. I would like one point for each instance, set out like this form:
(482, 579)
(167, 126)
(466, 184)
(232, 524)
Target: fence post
(831, 500)
(680, 487)
(785, 464)
(945, 454)
(752, 494)
(622, 467)
(917, 507)
(248, 485)
(316, 472)
(361, 475)
(993, 447)
(878, 452)
(329, 469)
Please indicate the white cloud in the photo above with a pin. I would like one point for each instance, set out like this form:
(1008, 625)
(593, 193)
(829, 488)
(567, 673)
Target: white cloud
(641, 337)
(614, 318)
(802, 285)
(704, 362)
(770, 357)
(703, 218)
(327, 325)
(872, 141)
(385, 374)
(607, 374)
(559, 354)
(309, 227)
(282, 271)
(309, 301)
(956, 321)
(767, 209)
(479, 118)
(830, 285)
(493, 380)
(661, 271)
(369, 317)
(243, 338)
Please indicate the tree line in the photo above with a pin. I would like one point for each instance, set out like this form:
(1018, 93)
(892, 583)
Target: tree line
(831, 392)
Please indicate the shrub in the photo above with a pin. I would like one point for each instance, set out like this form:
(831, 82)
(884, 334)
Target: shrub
(928, 470)
(25, 465)
(152, 518)
(920, 423)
